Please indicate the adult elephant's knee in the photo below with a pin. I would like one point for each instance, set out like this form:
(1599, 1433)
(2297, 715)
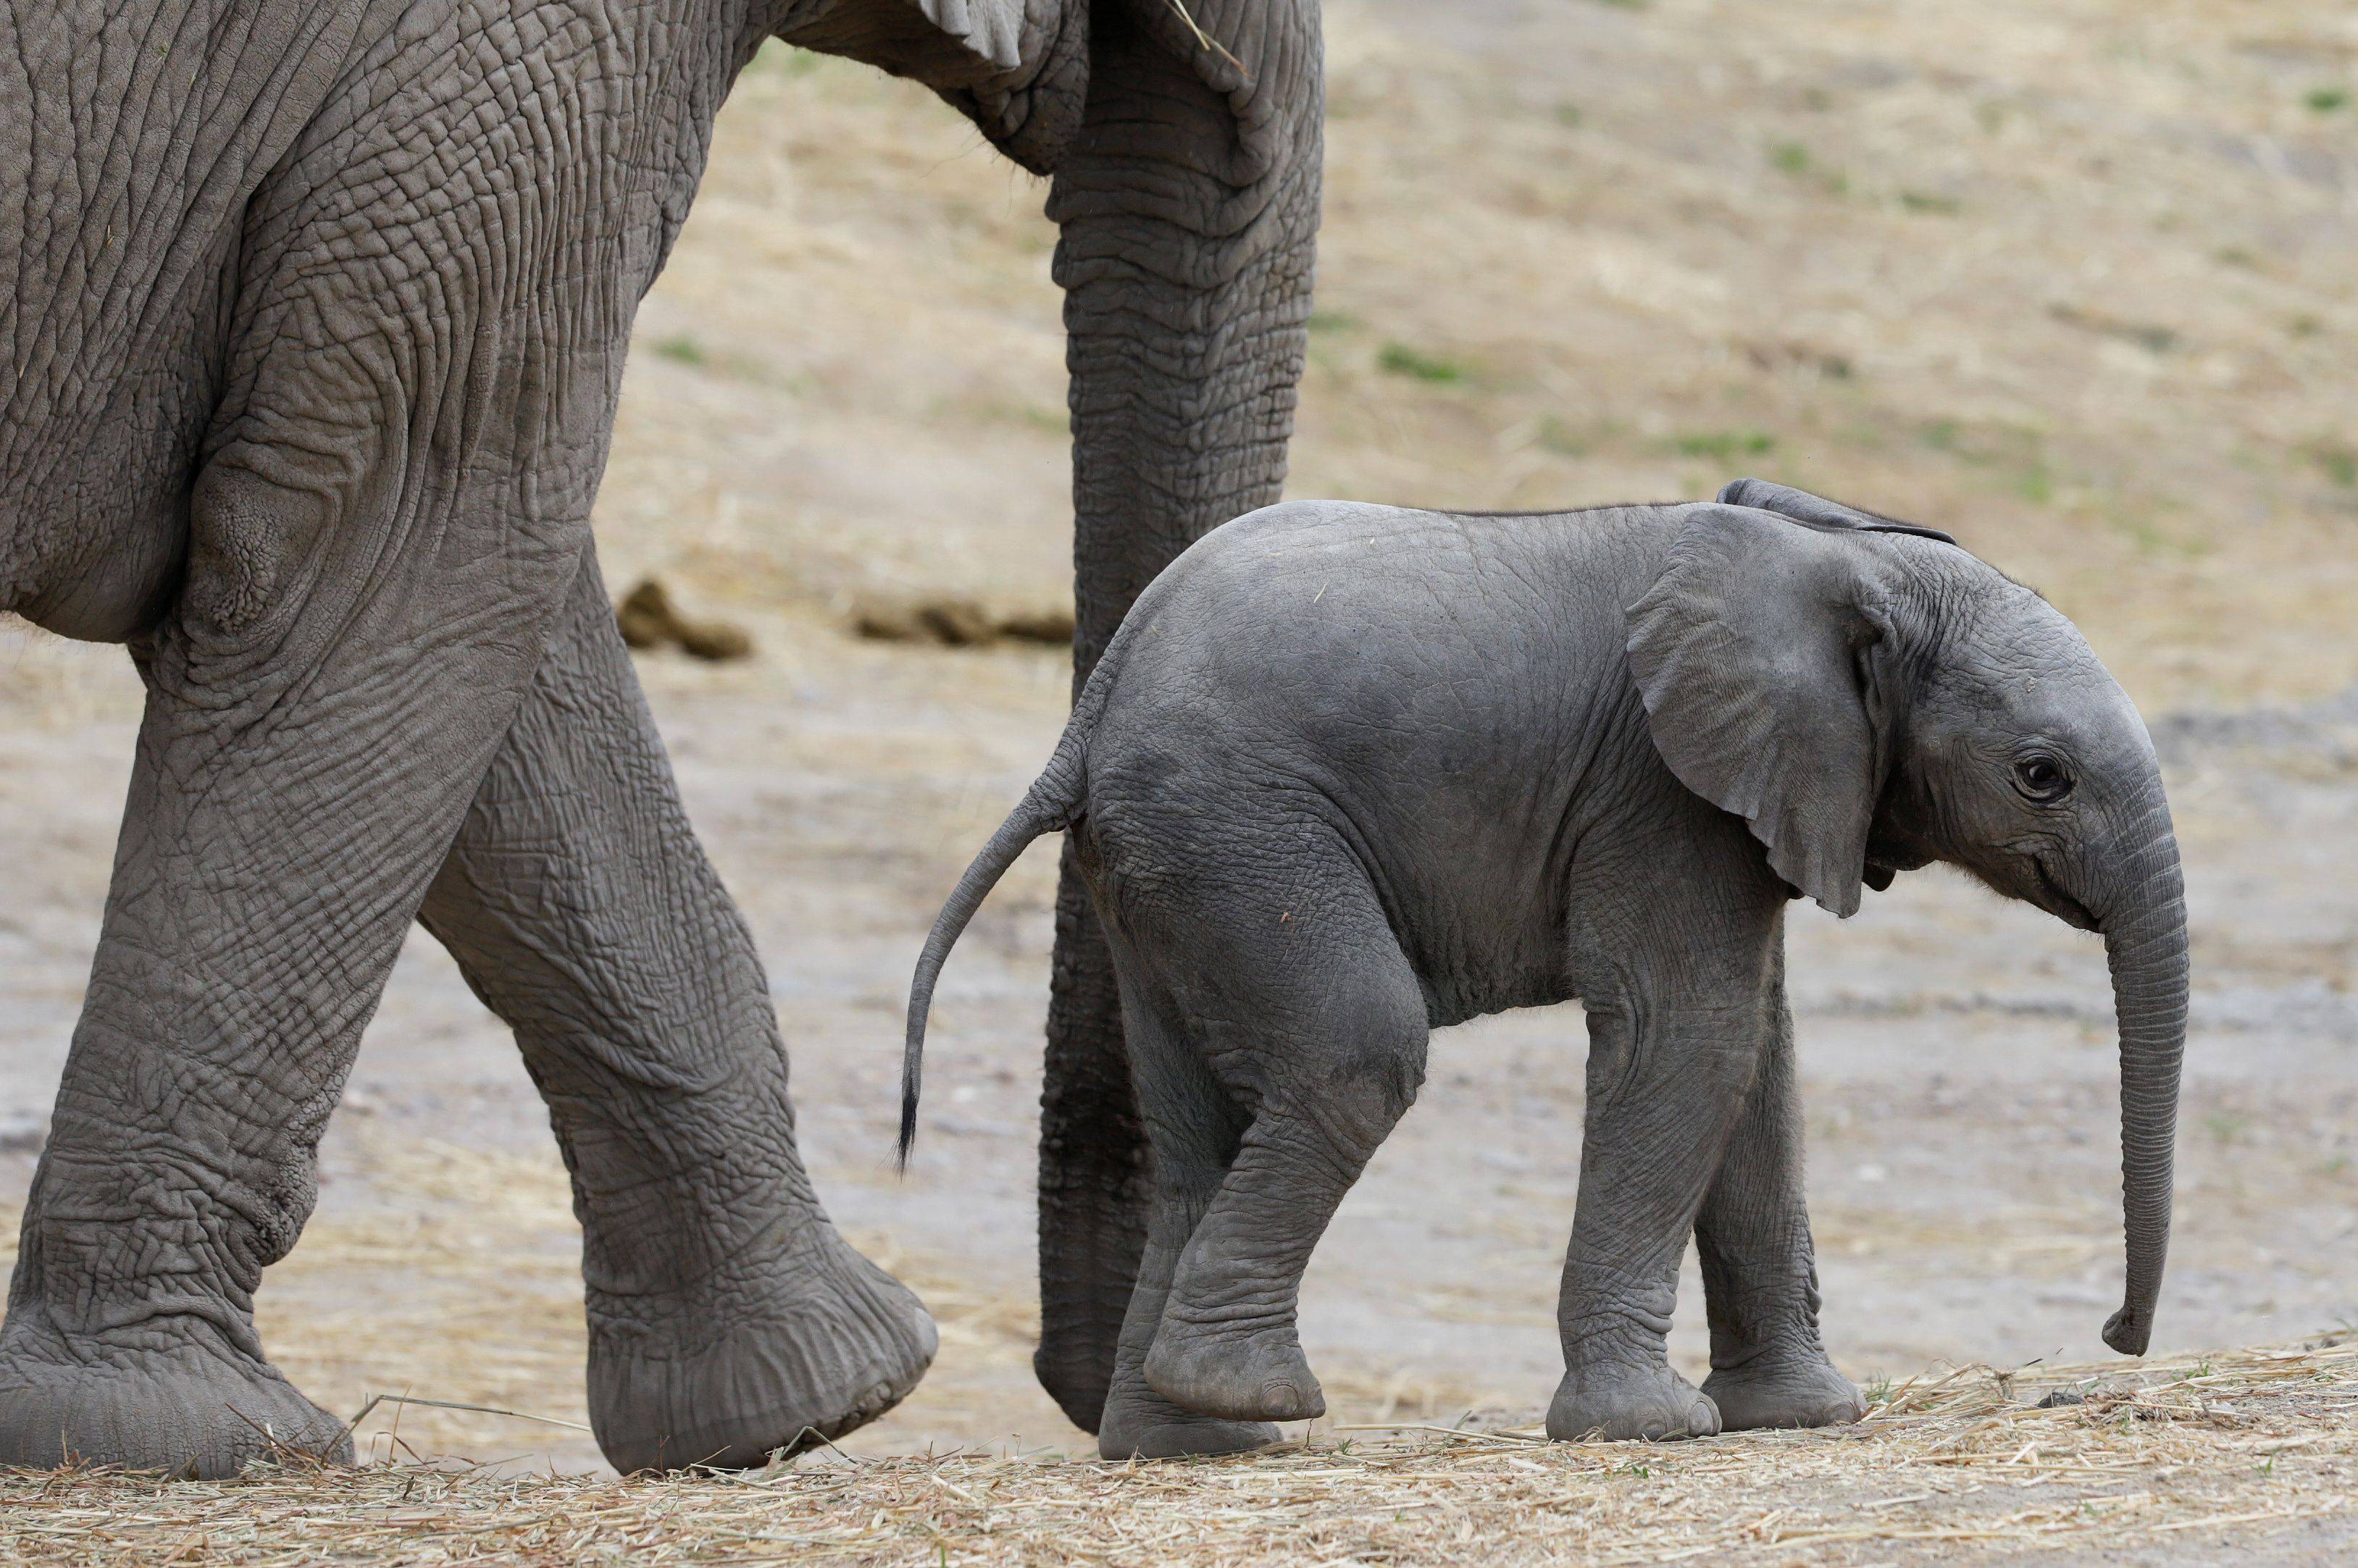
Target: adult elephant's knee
(728, 1318)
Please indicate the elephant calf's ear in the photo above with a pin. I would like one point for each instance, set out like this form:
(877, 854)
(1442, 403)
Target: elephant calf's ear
(1817, 511)
(1763, 654)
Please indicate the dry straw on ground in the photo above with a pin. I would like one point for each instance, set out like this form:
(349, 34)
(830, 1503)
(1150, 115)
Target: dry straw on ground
(2248, 1447)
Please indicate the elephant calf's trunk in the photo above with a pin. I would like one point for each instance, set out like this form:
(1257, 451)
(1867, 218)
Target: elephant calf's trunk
(2146, 943)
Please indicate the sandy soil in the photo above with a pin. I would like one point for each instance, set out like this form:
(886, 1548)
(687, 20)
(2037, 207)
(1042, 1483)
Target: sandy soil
(2071, 280)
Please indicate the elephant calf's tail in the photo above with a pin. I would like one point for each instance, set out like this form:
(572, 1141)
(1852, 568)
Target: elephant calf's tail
(1052, 805)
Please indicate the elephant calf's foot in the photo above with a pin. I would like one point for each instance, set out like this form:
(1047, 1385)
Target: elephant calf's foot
(1779, 1389)
(1244, 1373)
(822, 1343)
(191, 1410)
(1621, 1402)
(1140, 1423)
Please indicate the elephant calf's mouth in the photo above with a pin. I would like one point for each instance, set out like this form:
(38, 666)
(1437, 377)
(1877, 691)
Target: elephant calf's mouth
(2061, 905)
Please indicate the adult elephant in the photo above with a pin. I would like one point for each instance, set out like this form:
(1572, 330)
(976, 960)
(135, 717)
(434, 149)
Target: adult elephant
(317, 314)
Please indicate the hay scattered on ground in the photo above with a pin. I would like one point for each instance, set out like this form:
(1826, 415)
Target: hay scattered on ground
(2237, 1446)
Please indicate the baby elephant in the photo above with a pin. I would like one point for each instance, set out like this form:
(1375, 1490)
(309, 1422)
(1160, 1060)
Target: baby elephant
(1350, 772)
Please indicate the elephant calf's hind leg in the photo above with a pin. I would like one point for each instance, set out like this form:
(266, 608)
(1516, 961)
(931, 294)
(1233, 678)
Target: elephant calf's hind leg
(1192, 1125)
(1338, 1084)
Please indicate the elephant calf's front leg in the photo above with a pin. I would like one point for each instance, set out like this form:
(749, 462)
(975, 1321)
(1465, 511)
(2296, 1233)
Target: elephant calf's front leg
(1661, 1104)
(1769, 1366)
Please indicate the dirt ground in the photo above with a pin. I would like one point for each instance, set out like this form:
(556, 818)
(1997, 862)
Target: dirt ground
(2073, 279)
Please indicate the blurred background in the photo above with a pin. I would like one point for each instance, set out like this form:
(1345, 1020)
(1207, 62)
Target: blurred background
(2076, 280)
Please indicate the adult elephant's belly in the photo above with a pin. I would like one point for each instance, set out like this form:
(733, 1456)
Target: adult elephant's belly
(141, 131)
(94, 512)
(103, 562)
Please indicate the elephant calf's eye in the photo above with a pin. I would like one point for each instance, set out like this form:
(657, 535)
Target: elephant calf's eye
(2041, 778)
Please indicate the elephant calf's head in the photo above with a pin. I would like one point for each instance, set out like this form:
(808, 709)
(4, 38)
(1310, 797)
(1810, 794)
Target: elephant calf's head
(1870, 698)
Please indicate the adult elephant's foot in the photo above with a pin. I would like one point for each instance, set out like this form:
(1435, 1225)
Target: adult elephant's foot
(1140, 1423)
(187, 1404)
(819, 1342)
(1239, 1372)
(1780, 1388)
(1621, 1401)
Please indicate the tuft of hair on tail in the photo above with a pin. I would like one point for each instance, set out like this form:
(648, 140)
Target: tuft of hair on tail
(908, 1127)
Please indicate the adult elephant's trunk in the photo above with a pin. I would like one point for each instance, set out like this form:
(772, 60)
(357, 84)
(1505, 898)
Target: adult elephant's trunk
(1189, 206)
(2144, 938)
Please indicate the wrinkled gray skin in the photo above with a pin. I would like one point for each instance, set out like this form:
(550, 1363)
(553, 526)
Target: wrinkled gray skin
(317, 309)
(1350, 773)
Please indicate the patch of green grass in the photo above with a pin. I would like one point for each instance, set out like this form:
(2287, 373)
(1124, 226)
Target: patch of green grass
(2337, 460)
(1434, 370)
(2014, 454)
(1722, 445)
(1333, 322)
(1877, 1391)
(2304, 326)
(1793, 158)
(2326, 100)
(1555, 436)
(1928, 202)
(684, 350)
(2235, 255)
(1567, 112)
(2227, 1125)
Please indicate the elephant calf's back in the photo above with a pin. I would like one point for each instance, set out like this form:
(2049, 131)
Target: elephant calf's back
(1430, 692)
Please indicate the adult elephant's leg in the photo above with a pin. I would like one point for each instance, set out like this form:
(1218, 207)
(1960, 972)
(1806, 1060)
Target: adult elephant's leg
(1759, 1270)
(322, 703)
(1189, 209)
(726, 1317)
